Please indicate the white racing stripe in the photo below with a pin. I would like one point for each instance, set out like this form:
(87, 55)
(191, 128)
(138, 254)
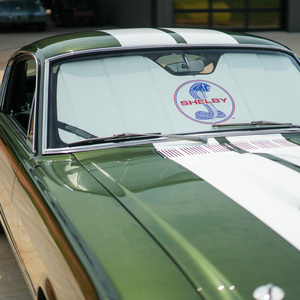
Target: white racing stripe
(204, 36)
(141, 37)
(150, 36)
(268, 190)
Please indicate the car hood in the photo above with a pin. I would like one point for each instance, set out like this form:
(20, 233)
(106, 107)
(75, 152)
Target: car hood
(226, 213)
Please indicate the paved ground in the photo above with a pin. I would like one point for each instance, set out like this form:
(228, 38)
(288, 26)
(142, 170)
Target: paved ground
(12, 286)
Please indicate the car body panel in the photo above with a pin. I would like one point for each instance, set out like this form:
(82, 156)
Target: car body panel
(29, 232)
(177, 224)
(159, 217)
(134, 244)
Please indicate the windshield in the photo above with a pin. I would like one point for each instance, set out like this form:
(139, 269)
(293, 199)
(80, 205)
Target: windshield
(170, 92)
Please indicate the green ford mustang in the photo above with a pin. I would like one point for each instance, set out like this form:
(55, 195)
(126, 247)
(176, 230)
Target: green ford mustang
(153, 164)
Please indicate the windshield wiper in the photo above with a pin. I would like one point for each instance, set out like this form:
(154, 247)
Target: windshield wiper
(136, 136)
(114, 139)
(265, 123)
(181, 137)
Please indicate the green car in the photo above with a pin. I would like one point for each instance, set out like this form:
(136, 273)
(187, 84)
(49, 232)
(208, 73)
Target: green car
(153, 164)
(22, 12)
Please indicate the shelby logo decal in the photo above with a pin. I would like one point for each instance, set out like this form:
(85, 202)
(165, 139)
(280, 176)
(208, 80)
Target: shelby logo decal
(193, 99)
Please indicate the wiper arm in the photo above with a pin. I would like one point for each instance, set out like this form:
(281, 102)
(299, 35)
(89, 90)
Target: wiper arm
(256, 123)
(183, 137)
(270, 123)
(129, 136)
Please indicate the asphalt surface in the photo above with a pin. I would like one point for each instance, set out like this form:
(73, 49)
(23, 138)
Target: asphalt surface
(12, 285)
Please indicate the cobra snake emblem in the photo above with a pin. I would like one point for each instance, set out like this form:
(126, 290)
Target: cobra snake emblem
(198, 91)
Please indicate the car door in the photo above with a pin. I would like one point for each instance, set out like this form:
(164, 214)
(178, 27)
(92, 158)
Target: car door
(17, 97)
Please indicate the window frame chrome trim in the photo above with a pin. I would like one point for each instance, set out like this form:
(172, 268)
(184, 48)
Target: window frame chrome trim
(90, 52)
(21, 55)
(33, 112)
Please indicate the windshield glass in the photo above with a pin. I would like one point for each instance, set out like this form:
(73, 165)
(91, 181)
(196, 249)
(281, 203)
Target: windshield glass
(170, 92)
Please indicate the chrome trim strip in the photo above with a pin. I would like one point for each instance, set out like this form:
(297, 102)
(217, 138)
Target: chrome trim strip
(33, 113)
(3, 84)
(166, 47)
(45, 107)
(100, 146)
(224, 133)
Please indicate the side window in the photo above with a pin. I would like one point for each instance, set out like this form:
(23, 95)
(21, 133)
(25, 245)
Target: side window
(20, 93)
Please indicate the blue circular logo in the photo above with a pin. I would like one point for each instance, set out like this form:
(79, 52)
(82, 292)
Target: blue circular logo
(204, 102)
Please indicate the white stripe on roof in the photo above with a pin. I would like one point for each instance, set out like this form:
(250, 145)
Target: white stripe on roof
(141, 37)
(204, 36)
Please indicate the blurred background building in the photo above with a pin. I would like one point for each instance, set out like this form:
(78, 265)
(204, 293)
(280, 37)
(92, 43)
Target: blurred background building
(241, 15)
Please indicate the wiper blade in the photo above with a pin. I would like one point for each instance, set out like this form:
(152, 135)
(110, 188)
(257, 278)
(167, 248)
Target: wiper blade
(136, 136)
(114, 138)
(257, 123)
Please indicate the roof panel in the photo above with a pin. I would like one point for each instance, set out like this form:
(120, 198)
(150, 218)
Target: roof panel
(136, 37)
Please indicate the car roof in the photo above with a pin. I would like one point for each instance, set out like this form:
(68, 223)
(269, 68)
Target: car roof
(140, 37)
